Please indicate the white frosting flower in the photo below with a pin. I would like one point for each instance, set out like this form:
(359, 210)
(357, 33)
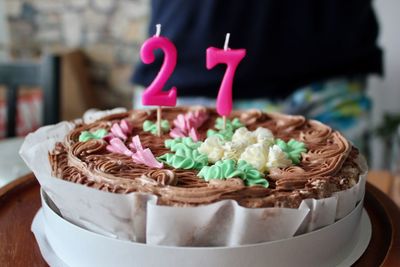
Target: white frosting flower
(244, 136)
(260, 135)
(257, 148)
(256, 155)
(233, 150)
(212, 147)
(277, 158)
(264, 136)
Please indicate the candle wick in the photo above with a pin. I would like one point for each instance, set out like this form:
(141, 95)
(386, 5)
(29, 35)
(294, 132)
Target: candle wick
(227, 41)
(158, 30)
(224, 122)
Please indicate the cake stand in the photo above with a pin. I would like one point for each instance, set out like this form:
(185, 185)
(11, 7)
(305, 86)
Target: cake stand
(20, 201)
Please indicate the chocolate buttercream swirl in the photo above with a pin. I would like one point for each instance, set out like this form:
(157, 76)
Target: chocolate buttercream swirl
(227, 183)
(117, 166)
(287, 123)
(94, 146)
(315, 132)
(194, 196)
(251, 116)
(328, 165)
(140, 116)
(114, 117)
(163, 176)
(291, 183)
(73, 136)
(326, 160)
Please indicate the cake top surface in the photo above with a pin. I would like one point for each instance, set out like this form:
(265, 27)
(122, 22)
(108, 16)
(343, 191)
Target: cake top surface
(257, 159)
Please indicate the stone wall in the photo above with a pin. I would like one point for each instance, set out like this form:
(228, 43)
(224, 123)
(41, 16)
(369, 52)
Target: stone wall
(109, 31)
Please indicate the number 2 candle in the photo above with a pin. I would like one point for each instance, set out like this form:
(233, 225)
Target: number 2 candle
(232, 58)
(154, 95)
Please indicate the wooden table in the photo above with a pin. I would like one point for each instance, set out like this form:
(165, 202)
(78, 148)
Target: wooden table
(20, 200)
(387, 183)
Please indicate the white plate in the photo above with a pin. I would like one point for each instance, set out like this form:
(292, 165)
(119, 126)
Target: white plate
(64, 244)
(11, 164)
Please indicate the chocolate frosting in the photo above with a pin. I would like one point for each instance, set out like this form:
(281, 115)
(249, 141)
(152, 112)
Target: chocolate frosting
(327, 166)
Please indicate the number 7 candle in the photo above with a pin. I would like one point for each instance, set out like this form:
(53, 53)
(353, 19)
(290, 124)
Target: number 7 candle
(232, 58)
(153, 95)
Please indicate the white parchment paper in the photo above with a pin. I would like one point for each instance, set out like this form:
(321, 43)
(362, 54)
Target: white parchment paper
(138, 218)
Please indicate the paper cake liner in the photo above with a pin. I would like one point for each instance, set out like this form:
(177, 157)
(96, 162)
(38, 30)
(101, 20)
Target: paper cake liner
(137, 217)
(65, 244)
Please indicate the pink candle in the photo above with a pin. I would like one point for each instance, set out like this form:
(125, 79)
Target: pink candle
(154, 95)
(232, 58)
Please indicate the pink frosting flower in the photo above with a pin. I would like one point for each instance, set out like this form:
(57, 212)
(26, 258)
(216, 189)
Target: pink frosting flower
(186, 125)
(136, 151)
(121, 130)
(144, 156)
(117, 146)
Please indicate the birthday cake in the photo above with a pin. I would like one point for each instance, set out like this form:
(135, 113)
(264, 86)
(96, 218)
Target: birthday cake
(256, 159)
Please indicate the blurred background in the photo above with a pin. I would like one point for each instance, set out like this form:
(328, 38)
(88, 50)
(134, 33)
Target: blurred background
(99, 40)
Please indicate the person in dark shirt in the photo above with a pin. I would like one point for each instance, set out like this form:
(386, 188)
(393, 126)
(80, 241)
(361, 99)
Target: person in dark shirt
(305, 56)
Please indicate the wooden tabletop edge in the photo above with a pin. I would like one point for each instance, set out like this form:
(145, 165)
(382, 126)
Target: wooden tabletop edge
(26, 179)
(392, 211)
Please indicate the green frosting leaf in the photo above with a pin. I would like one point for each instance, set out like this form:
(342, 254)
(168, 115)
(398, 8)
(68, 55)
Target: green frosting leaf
(253, 176)
(222, 169)
(174, 144)
(232, 125)
(227, 133)
(149, 126)
(86, 135)
(225, 169)
(222, 134)
(186, 155)
(184, 162)
(292, 149)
